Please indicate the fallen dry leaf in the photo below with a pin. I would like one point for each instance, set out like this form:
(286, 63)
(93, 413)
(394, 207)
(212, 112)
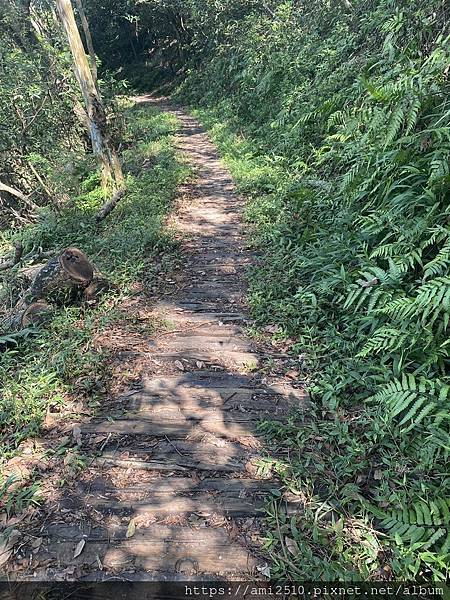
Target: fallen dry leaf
(7, 541)
(131, 530)
(76, 434)
(292, 374)
(291, 545)
(36, 544)
(271, 329)
(264, 570)
(79, 548)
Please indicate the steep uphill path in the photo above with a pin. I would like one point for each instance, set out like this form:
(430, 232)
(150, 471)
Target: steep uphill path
(175, 488)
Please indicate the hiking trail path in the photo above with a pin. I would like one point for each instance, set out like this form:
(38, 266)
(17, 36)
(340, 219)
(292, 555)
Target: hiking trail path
(175, 487)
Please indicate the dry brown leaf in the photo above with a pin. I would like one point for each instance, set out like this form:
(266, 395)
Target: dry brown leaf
(79, 548)
(76, 433)
(291, 545)
(131, 529)
(264, 570)
(7, 541)
(292, 374)
(36, 544)
(271, 329)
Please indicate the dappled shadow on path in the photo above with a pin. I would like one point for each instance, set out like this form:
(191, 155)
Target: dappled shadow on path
(177, 473)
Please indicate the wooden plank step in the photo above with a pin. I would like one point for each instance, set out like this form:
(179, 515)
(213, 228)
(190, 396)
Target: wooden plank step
(224, 257)
(226, 400)
(197, 413)
(211, 243)
(174, 463)
(217, 273)
(220, 229)
(161, 413)
(229, 426)
(157, 548)
(174, 496)
(182, 342)
(227, 507)
(229, 430)
(204, 328)
(202, 307)
(176, 313)
(228, 358)
(165, 486)
(205, 379)
(211, 295)
(205, 453)
(220, 263)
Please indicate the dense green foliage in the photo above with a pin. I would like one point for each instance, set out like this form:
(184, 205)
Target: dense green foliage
(336, 124)
(38, 127)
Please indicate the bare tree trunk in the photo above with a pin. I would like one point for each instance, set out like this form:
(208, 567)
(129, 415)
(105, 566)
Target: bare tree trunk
(88, 37)
(101, 143)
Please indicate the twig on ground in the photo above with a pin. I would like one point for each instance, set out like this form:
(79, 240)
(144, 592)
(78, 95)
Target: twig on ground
(110, 205)
(173, 446)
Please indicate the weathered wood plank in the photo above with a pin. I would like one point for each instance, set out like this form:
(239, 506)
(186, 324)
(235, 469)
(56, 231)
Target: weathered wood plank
(224, 425)
(186, 342)
(163, 486)
(231, 399)
(160, 506)
(218, 357)
(157, 548)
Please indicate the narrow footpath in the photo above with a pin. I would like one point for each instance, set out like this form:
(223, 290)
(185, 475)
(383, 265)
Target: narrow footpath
(177, 481)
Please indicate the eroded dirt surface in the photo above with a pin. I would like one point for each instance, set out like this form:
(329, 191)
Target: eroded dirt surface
(174, 484)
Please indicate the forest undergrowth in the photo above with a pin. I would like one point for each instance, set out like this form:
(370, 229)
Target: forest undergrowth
(336, 128)
(55, 367)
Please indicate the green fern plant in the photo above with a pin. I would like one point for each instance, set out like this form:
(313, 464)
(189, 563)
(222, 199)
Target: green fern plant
(421, 526)
(409, 402)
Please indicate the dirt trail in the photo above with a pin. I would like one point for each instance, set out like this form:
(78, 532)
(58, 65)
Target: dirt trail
(175, 487)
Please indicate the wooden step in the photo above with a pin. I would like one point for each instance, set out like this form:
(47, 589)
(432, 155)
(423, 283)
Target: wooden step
(211, 294)
(230, 399)
(160, 413)
(185, 342)
(167, 549)
(229, 257)
(203, 328)
(228, 426)
(199, 379)
(174, 496)
(177, 314)
(205, 307)
(170, 464)
(202, 451)
(226, 358)
(219, 382)
(174, 486)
